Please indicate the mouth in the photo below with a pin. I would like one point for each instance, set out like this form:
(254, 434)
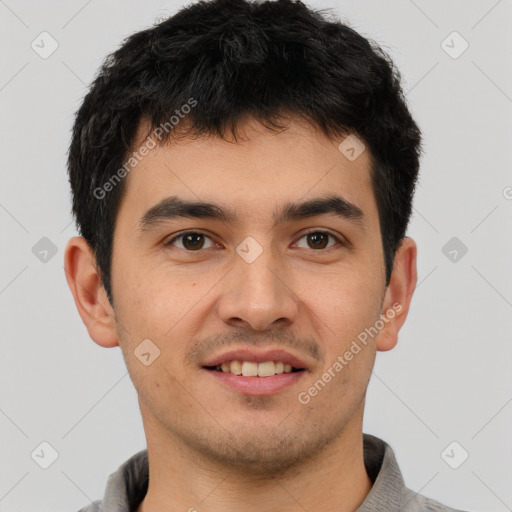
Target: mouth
(256, 373)
(254, 369)
(252, 363)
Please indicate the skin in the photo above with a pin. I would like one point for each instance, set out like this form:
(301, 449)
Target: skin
(211, 448)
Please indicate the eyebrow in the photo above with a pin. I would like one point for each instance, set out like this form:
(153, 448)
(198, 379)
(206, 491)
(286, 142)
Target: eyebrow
(173, 207)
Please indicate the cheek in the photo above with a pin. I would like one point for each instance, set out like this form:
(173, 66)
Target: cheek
(346, 302)
(163, 308)
(145, 298)
(346, 306)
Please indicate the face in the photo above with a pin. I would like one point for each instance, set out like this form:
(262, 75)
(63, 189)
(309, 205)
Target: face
(260, 283)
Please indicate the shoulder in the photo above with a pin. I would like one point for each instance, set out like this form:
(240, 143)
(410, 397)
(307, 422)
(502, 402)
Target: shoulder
(389, 491)
(414, 502)
(95, 506)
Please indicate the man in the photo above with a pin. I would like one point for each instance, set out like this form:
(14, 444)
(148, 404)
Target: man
(242, 178)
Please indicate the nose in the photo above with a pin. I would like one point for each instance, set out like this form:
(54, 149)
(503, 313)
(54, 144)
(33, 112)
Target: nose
(258, 294)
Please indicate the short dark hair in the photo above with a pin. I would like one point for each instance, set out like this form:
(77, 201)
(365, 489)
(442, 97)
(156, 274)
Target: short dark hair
(234, 59)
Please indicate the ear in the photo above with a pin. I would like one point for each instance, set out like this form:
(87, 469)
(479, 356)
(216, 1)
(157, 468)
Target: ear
(90, 297)
(398, 294)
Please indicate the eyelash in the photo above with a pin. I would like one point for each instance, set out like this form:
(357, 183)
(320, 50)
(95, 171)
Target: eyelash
(314, 231)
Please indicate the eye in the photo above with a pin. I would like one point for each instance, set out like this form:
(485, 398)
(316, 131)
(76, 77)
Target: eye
(191, 241)
(319, 239)
(194, 241)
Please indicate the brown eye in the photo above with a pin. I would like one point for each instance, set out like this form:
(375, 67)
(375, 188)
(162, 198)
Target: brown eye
(318, 239)
(191, 241)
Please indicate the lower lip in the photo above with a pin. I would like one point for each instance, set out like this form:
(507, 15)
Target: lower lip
(256, 386)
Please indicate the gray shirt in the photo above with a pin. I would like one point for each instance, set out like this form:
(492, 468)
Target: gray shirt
(127, 486)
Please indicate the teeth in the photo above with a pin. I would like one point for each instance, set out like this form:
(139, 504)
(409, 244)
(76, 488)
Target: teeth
(266, 369)
(252, 369)
(236, 367)
(249, 369)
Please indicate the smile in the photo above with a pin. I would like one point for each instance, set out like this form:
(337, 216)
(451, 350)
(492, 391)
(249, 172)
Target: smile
(253, 369)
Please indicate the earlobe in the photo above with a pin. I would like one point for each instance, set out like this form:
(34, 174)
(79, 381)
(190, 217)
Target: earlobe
(398, 294)
(90, 297)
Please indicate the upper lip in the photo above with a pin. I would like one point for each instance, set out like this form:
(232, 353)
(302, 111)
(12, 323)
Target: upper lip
(257, 356)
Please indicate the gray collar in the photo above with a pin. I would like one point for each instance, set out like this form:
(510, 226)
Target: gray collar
(127, 486)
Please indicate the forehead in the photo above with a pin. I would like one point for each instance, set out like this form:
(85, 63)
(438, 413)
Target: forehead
(253, 174)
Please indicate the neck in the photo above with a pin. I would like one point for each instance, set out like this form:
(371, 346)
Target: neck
(334, 480)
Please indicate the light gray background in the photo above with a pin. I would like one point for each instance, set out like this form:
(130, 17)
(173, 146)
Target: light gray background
(449, 377)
